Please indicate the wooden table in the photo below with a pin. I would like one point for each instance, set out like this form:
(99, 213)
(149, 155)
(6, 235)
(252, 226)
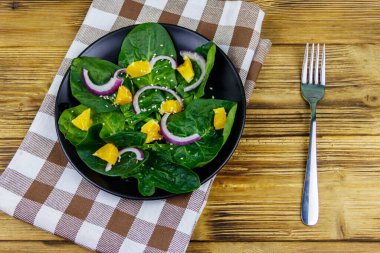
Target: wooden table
(254, 205)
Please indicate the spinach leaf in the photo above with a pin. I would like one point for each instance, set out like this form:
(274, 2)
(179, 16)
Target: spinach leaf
(197, 118)
(155, 173)
(162, 74)
(100, 71)
(229, 123)
(112, 122)
(158, 172)
(128, 163)
(207, 50)
(149, 102)
(89, 145)
(126, 139)
(71, 132)
(131, 117)
(144, 41)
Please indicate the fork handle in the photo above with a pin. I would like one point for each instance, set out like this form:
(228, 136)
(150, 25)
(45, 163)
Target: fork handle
(310, 205)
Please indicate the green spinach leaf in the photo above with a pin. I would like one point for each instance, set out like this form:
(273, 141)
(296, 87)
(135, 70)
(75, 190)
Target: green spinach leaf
(143, 43)
(126, 167)
(112, 122)
(89, 145)
(132, 118)
(71, 132)
(158, 172)
(198, 118)
(162, 74)
(126, 139)
(207, 50)
(100, 71)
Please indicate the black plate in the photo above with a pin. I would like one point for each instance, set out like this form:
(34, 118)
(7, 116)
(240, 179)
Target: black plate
(224, 79)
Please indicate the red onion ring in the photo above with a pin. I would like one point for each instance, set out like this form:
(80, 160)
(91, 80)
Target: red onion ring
(177, 140)
(202, 64)
(118, 72)
(135, 102)
(163, 57)
(139, 155)
(102, 89)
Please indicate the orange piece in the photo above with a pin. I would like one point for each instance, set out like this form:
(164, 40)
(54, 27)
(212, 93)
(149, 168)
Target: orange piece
(138, 68)
(124, 96)
(220, 118)
(170, 106)
(83, 121)
(186, 69)
(152, 131)
(108, 153)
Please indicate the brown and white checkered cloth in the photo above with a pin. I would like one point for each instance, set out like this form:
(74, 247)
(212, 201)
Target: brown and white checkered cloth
(42, 188)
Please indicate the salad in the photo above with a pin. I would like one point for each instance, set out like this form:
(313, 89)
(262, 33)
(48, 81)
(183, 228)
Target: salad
(146, 117)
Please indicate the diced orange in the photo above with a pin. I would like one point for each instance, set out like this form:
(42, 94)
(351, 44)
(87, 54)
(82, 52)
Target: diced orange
(170, 106)
(152, 131)
(83, 121)
(138, 68)
(124, 96)
(108, 153)
(220, 118)
(186, 69)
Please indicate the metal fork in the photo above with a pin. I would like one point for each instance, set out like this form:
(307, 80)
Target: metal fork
(312, 92)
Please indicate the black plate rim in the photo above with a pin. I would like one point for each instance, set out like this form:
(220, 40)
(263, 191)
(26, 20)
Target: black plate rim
(168, 195)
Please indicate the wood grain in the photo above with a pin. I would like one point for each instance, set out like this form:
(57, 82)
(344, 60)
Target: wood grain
(255, 201)
(195, 247)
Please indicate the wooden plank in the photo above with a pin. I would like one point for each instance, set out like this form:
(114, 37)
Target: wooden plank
(220, 247)
(286, 22)
(283, 247)
(328, 21)
(53, 22)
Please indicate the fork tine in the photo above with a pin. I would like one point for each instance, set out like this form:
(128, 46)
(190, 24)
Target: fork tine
(323, 66)
(311, 65)
(316, 66)
(304, 66)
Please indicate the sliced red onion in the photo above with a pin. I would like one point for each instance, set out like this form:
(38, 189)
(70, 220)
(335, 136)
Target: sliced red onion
(177, 140)
(202, 64)
(139, 155)
(118, 72)
(163, 57)
(135, 102)
(102, 89)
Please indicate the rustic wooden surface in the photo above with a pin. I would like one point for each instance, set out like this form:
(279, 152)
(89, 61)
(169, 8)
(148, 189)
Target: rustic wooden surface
(254, 205)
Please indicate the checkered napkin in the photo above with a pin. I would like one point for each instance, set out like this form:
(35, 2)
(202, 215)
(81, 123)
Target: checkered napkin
(42, 188)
